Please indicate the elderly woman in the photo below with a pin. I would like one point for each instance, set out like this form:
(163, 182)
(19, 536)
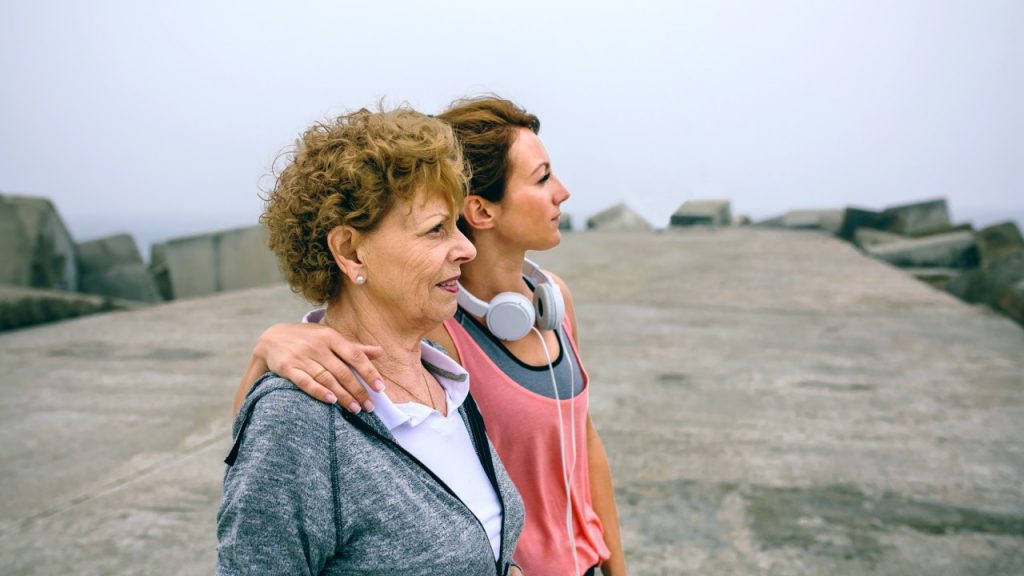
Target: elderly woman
(364, 220)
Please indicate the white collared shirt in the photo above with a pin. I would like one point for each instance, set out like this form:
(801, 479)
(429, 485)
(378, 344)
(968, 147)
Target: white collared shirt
(442, 443)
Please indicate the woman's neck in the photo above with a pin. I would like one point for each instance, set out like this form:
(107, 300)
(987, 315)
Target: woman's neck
(359, 322)
(494, 270)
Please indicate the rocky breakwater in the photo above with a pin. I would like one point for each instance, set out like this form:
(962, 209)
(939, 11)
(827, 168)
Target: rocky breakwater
(983, 266)
(45, 275)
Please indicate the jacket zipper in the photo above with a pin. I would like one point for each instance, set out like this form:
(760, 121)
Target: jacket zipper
(355, 420)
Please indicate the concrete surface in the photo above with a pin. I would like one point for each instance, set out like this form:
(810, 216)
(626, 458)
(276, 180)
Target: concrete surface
(702, 213)
(36, 249)
(772, 402)
(948, 250)
(210, 263)
(999, 241)
(618, 217)
(112, 266)
(920, 218)
(20, 306)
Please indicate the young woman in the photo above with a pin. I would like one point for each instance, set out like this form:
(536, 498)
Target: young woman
(530, 385)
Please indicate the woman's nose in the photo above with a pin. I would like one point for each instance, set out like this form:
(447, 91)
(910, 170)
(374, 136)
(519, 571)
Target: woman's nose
(464, 250)
(562, 194)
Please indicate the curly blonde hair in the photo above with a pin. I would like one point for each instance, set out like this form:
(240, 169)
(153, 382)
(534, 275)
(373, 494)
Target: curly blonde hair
(352, 171)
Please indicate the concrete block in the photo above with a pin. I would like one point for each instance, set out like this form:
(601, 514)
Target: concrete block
(217, 262)
(159, 272)
(867, 237)
(773, 222)
(618, 217)
(828, 220)
(112, 266)
(702, 213)
(1011, 301)
(920, 218)
(985, 284)
(21, 306)
(855, 218)
(999, 241)
(36, 249)
(936, 277)
(951, 250)
(565, 222)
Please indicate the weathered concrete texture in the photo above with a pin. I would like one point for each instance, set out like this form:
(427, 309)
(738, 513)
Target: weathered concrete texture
(936, 277)
(827, 220)
(36, 249)
(618, 217)
(211, 263)
(772, 402)
(920, 218)
(702, 213)
(20, 306)
(865, 238)
(999, 241)
(917, 219)
(856, 218)
(987, 284)
(1010, 301)
(112, 266)
(950, 250)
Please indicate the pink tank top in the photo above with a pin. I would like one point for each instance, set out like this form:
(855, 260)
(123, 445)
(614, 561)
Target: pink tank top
(523, 426)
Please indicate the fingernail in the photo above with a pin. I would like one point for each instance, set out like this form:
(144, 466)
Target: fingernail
(378, 385)
(331, 398)
(368, 405)
(354, 408)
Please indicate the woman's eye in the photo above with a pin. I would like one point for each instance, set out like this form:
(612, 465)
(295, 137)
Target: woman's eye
(544, 178)
(439, 229)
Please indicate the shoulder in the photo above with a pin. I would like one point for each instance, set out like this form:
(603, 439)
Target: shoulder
(570, 308)
(561, 284)
(277, 408)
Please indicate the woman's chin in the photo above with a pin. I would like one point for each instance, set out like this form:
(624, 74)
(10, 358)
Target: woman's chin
(550, 242)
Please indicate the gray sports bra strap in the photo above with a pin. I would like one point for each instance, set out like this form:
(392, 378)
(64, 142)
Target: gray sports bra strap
(536, 379)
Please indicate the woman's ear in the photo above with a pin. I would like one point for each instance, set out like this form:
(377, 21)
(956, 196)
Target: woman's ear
(479, 212)
(343, 242)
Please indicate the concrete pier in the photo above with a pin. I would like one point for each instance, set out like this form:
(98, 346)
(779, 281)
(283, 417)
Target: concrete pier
(772, 402)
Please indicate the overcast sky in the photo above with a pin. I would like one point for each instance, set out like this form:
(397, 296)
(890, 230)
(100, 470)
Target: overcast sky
(163, 118)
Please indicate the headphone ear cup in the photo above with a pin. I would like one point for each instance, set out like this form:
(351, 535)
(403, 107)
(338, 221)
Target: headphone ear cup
(510, 316)
(549, 305)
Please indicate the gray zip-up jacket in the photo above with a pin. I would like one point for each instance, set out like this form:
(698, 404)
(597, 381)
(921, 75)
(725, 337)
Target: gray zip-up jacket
(315, 490)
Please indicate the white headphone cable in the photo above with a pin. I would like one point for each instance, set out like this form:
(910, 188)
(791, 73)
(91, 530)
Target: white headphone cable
(561, 442)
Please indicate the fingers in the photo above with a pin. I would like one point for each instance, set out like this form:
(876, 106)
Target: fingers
(358, 357)
(318, 360)
(307, 384)
(349, 390)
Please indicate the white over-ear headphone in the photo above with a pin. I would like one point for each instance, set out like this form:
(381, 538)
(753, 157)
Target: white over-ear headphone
(510, 315)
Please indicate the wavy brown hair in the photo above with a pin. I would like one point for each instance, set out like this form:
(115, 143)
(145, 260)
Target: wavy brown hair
(486, 127)
(352, 171)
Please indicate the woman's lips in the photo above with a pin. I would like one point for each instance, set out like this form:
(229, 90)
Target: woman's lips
(450, 285)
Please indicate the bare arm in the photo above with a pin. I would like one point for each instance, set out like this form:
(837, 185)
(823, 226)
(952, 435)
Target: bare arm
(602, 492)
(317, 359)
